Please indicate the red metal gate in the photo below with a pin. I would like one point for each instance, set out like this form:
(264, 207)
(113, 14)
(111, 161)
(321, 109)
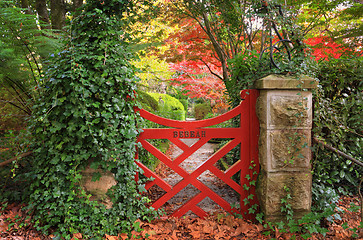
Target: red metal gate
(246, 135)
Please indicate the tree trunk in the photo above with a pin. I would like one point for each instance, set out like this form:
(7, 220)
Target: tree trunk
(25, 5)
(77, 4)
(58, 12)
(41, 7)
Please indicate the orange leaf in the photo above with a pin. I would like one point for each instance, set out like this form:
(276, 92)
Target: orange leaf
(230, 221)
(3, 226)
(77, 236)
(108, 237)
(207, 229)
(195, 234)
(123, 236)
(219, 235)
(173, 236)
(259, 227)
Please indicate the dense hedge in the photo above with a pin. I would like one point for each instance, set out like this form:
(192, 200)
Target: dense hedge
(338, 119)
(162, 105)
(185, 103)
(169, 107)
(147, 102)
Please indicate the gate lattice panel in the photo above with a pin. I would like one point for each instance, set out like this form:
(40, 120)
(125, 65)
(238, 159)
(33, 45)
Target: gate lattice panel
(246, 135)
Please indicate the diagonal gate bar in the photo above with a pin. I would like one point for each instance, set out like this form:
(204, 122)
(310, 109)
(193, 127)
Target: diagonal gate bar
(246, 136)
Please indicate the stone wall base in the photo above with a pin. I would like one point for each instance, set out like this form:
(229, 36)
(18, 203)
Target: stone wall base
(99, 188)
(272, 188)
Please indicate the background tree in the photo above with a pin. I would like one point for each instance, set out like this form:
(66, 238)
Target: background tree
(50, 12)
(339, 20)
(237, 29)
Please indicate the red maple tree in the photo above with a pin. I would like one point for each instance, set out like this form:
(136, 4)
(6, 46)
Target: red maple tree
(198, 70)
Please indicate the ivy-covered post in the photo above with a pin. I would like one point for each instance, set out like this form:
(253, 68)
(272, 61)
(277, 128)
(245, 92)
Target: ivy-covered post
(284, 109)
(85, 117)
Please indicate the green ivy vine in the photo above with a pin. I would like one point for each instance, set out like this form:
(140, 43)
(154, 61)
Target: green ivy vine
(86, 117)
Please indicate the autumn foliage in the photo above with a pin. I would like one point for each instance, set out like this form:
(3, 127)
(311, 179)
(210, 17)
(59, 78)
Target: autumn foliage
(324, 48)
(197, 72)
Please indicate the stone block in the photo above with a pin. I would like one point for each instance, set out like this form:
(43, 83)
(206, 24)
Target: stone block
(288, 150)
(284, 109)
(271, 190)
(275, 81)
(285, 150)
(263, 149)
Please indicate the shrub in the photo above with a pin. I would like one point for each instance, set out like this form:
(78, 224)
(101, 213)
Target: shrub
(338, 110)
(185, 103)
(201, 110)
(169, 107)
(147, 101)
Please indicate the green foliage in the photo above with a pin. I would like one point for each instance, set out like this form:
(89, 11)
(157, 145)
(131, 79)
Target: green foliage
(325, 198)
(147, 102)
(338, 120)
(201, 110)
(245, 68)
(23, 47)
(308, 224)
(86, 113)
(169, 107)
(249, 66)
(286, 205)
(185, 103)
(15, 176)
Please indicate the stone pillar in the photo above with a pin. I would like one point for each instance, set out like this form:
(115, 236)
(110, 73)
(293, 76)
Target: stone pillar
(284, 110)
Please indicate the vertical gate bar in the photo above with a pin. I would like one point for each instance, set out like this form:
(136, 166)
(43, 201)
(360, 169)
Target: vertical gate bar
(249, 151)
(252, 165)
(244, 150)
(254, 137)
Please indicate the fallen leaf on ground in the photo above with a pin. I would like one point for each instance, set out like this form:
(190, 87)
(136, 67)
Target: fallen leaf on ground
(244, 228)
(77, 236)
(123, 236)
(195, 234)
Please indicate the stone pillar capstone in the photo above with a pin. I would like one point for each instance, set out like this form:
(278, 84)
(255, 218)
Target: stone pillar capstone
(284, 109)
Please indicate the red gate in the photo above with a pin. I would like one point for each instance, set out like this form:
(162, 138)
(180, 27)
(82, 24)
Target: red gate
(246, 135)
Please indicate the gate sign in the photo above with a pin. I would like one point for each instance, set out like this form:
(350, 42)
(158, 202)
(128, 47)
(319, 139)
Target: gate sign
(245, 135)
(189, 134)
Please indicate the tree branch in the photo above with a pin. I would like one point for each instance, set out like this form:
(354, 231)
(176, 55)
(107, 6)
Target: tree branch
(4, 163)
(338, 152)
(210, 70)
(216, 46)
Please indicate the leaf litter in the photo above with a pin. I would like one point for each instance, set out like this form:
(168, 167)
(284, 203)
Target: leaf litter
(15, 224)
